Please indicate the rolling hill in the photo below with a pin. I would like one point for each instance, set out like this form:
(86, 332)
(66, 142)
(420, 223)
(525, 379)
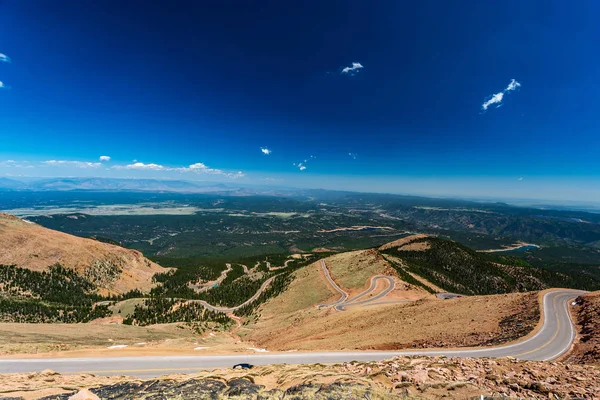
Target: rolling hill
(459, 269)
(108, 268)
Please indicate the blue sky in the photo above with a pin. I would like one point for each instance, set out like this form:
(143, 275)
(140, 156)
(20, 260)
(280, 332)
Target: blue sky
(385, 96)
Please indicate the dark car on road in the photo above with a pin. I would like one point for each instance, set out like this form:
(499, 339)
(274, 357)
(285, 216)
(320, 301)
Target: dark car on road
(243, 366)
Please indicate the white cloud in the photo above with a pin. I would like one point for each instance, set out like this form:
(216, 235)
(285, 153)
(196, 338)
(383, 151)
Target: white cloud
(265, 151)
(142, 166)
(15, 164)
(353, 70)
(199, 168)
(498, 97)
(301, 167)
(2, 85)
(104, 158)
(353, 155)
(4, 58)
(77, 164)
(513, 85)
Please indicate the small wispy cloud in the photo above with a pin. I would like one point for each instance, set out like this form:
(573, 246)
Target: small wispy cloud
(4, 58)
(16, 164)
(352, 70)
(302, 165)
(266, 151)
(2, 86)
(76, 164)
(498, 97)
(520, 178)
(353, 155)
(104, 158)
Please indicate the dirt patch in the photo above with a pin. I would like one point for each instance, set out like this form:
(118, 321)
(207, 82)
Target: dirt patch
(398, 378)
(323, 250)
(402, 241)
(418, 246)
(586, 312)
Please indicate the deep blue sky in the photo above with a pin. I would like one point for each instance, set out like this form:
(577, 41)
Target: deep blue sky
(178, 83)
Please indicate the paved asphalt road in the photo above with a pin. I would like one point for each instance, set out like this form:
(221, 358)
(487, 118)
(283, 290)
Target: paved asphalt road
(343, 302)
(232, 309)
(335, 286)
(552, 340)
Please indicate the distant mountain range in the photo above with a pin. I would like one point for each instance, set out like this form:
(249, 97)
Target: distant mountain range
(114, 184)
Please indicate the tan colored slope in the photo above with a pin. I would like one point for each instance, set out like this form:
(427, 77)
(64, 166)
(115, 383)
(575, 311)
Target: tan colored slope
(291, 321)
(402, 241)
(112, 268)
(465, 322)
(586, 313)
(352, 270)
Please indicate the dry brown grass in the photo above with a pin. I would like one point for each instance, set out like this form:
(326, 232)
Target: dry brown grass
(94, 340)
(43, 338)
(425, 323)
(402, 241)
(34, 247)
(291, 321)
(418, 246)
(352, 270)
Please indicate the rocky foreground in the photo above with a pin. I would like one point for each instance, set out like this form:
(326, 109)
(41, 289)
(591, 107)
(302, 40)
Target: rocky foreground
(399, 378)
(587, 315)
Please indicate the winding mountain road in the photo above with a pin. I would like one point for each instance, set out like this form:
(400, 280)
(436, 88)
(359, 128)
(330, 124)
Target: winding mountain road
(343, 302)
(232, 309)
(553, 339)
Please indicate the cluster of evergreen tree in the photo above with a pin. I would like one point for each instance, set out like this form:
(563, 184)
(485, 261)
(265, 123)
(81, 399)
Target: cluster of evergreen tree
(161, 310)
(54, 295)
(175, 283)
(166, 303)
(36, 311)
(57, 284)
(459, 269)
(277, 286)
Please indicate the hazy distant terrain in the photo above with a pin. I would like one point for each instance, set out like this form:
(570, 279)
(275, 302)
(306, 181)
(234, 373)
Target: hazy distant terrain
(243, 221)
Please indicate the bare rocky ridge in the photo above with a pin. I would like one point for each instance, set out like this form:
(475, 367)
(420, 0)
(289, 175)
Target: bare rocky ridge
(398, 378)
(111, 268)
(587, 316)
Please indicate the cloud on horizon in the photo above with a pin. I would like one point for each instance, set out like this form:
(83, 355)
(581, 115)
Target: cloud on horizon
(353, 70)
(199, 168)
(16, 164)
(196, 168)
(498, 97)
(76, 164)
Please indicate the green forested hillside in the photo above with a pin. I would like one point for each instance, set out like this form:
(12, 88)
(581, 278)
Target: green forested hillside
(459, 269)
(55, 295)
